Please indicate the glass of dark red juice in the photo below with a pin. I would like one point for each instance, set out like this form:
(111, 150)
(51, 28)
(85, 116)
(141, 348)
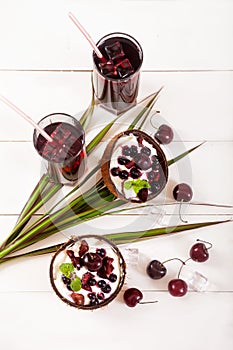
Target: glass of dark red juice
(65, 155)
(116, 76)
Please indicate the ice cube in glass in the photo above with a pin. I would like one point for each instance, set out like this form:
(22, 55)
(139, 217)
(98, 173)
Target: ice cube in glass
(108, 69)
(124, 68)
(115, 51)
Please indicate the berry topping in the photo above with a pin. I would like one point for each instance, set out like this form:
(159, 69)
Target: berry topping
(101, 283)
(123, 160)
(65, 279)
(135, 173)
(86, 277)
(146, 150)
(115, 171)
(92, 282)
(156, 270)
(126, 151)
(91, 295)
(143, 194)
(101, 252)
(94, 302)
(123, 175)
(144, 162)
(77, 262)
(92, 261)
(130, 164)
(83, 248)
(154, 187)
(133, 151)
(70, 254)
(106, 289)
(78, 298)
(112, 277)
(100, 296)
(140, 140)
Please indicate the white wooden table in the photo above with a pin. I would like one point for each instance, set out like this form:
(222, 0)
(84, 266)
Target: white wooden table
(45, 67)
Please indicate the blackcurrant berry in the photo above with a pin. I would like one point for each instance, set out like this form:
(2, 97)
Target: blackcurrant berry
(177, 287)
(133, 151)
(143, 194)
(101, 252)
(112, 277)
(123, 160)
(182, 192)
(156, 270)
(135, 173)
(126, 151)
(106, 289)
(101, 283)
(123, 175)
(115, 171)
(146, 150)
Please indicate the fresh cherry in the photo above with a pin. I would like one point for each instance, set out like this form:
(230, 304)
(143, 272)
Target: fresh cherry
(182, 192)
(156, 270)
(177, 287)
(199, 252)
(132, 297)
(164, 135)
(92, 261)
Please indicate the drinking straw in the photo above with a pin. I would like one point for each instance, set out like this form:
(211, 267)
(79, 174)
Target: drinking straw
(87, 36)
(26, 117)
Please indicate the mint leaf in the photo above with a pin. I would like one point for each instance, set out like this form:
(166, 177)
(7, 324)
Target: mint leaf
(66, 269)
(128, 184)
(136, 185)
(76, 284)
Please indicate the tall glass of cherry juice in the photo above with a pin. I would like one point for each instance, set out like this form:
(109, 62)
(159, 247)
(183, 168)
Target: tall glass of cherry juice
(64, 157)
(116, 76)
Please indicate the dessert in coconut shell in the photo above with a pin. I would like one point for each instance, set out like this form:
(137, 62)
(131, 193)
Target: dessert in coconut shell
(134, 166)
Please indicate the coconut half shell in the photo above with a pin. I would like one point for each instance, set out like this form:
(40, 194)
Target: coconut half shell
(109, 154)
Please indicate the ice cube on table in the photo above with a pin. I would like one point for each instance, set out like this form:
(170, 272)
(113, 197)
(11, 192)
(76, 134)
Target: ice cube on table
(108, 69)
(114, 51)
(124, 68)
(195, 280)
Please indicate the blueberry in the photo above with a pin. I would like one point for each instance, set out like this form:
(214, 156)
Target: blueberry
(123, 175)
(126, 151)
(101, 252)
(94, 302)
(91, 296)
(135, 173)
(146, 150)
(101, 283)
(106, 289)
(65, 279)
(112, 277)
(115, 171)
(133, 151)
(123, 160)
(100, 296)
(154, 187)
(92, 282)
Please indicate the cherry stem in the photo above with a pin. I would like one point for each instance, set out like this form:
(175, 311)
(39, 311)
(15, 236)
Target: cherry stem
(181, 219)
(211, 245)
(164, 262)
(148, 302)
(184, 263)
(154, 114)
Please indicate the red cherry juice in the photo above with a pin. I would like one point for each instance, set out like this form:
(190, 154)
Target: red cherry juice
(65, 154)
(117, 93)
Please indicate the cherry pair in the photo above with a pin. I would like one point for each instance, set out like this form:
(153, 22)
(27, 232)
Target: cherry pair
(178, 287)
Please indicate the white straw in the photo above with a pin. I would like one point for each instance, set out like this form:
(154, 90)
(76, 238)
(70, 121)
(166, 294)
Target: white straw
(87, 36)
(26, 117)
